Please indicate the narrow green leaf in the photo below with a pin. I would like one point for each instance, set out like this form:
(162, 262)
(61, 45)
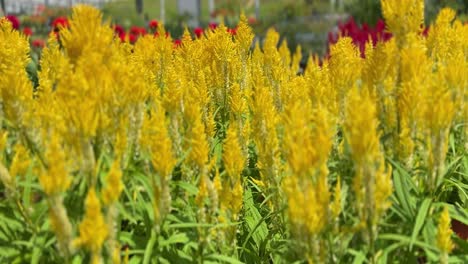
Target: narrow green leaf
(422, 213)
(407, 240)
(180, 238)
(402, 193)
(359, 257)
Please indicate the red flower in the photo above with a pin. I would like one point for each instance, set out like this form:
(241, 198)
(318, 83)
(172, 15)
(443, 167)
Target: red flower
(132, 38)
(213, 25)
(233, 31)
(425, 31)
(122, 36)
(252, 20)
(27, 31)
(59, 22)
(138, 31)
(38, 43)
(153, 24)
(119, 30)
(198, 32)
(14, 21)
(177, 43)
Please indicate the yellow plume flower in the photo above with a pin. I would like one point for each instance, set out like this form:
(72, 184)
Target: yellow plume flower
(343, 77)
(86, 32)
(93, 229)
(113, 186)
(157, 142)
(403, 16)
(244, 35)
(15, 87)
(372, 182)
(199, 146)
(444, 232)
(233, 158)
(20, 162)
(54, 178)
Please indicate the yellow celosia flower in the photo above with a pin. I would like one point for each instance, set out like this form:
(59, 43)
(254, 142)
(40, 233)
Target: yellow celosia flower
(198, 144)
(54, 178)
(444, 232)
(442, 40)
(158, 143)
(202, 193)
(20, 162)
(343, 77)
(403, 16)
(113, 186)
(86, 32)
(233, 158)
(372, 183)
(93, 228)
(15, 87)
(244, 35)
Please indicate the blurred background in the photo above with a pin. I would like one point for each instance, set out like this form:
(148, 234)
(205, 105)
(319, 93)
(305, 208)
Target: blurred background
(309, 23)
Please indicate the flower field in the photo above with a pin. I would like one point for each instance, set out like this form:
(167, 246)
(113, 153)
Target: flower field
(212, 149)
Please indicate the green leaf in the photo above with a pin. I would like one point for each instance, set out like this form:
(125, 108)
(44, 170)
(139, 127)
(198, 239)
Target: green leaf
(224, 258)
(402, 193)
(359, 257)
(407, 240)
(175, 239)
(422, 213)
(258, 229)
(188, 187)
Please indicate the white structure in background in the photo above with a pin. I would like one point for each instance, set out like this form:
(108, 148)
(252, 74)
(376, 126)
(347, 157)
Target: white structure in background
(191, 8)
(30, 6)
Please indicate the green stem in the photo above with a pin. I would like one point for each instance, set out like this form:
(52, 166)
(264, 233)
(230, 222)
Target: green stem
(149, 247)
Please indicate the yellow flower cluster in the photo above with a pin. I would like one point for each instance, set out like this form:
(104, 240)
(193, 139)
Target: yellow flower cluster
(216, 107)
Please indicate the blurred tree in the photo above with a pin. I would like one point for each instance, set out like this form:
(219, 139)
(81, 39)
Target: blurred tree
(364, 11)
(2, 3)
